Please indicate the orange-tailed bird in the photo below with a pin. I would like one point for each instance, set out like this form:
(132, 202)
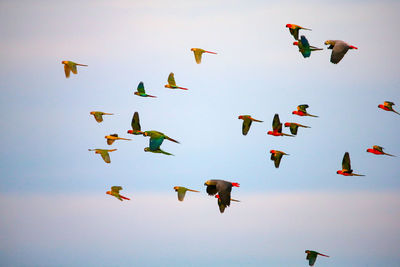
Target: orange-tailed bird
(182, 192)
(346, 167)
(247, 120)
(112, 137)
(115, 192)
(276, 156)
(388, 106)
(294, 30)
(294, 126)
(98, 115)
(70, 66)
(301, 111)
(172, 84)
(378, 150)
(312, 256)
(198, 52)
(103, 153)
(277, 127)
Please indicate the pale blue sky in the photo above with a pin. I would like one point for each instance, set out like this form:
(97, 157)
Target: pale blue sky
(47, 129)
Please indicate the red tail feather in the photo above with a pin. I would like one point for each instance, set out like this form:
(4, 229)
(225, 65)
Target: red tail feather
(236, 184)
(125, 197)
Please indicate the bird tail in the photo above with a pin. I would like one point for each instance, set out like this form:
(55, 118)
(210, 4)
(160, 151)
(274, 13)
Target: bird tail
(236, 184)
(108, 113)
(193, 190)
(304, 126)
(235, 200)
(111, 150)
(355, 174)
(120, 138)
(166, 153)
(389, 154)
(183, 88)
(170, 139)
(151, 96)
(312, 115)
(287, 134)
(323, 255)
(81, 65)
(257, 120)
(306, 29)
(396, 112)
(210, 52)
(124, 197)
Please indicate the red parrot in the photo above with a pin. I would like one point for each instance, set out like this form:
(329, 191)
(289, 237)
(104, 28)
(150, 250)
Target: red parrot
(378, 150)
(301, 111)
(388, 106)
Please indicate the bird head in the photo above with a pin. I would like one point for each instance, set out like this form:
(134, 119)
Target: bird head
(339, 172)
(136, 93)
(108, 192)
(287, 124)
(329, 42)
(288, 25)
(307, 251)
(176, 188)
(64, 62)
(240, 117)
(92, 112)
(296, 43)
(130, 131)
(270, 132)
(147, 149)
(294, 112)
(272, 151)
(193, 49)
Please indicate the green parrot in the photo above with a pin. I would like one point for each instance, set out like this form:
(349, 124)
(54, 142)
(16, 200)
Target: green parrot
(294, 126)
(115, 192)
(103, 153)
(98, 115)
(276, 156)
(198, 52)
(182, 191)
(112, 137)
(136, 129)
(294, 30)
(304, 47)
(71, 66)
(172, 84)
(156, 139)
(312, 256)
(247, 120)
(141, 92)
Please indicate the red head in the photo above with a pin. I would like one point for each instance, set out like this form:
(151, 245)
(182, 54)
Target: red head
(236, 184)
(108, 192)
(287, 124)
(288, 25)
(296, 43)
(240, 117)
(272, 151)
(270, 132)
(130, 131)
(294, 112)
(339, 172)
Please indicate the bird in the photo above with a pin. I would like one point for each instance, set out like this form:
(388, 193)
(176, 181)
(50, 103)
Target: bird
(182, 192)
(141, 92)
(304, 47)
(222, 206)
(339, 49)
(294, 30)
(70, 66)
(378, 150)
(156, 139)
(198, 52)
(294, 126)
(104, 153)
(276, 156)
(247, 120)
(223, 188)
(388, 106)
(301, 111)
(136, 129)
(115, 192)
(277, 127)
(98, 115)
(112, 137)
(346, 167)
(171, 83)
(312, 256)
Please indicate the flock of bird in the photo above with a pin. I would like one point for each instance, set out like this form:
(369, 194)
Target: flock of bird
(221, 189)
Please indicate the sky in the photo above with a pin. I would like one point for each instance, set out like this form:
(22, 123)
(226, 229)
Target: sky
(52, 189)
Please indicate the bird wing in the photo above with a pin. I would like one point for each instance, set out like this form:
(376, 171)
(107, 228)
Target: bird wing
(295, 33)
(211, 190)
(277, 159)
(224, 190)
(246, 126)
(304, 42)
(155, 142)
(171, 79)
(311, 257)
(110, 141)
(98, 117)
(115, 189)
(135, 121)
(346, 162)
(379, 148)
(221, 206)
(181, 193)
(106, 157)
(73, 68)
(197, 55)
(140, 88)
(276, 122)
(293, 128)
(302, 108)
(67, 70)
(339, 50)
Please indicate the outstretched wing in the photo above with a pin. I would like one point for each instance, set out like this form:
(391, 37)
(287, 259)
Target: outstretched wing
(276, 122)
(106, 157)
(140, 88)
(379, 148)
(346, 162)
(295, 33)
(246, 126)
(155, 142)
(181, 193)
(171, 79)
(302, 108)
(293, 128)
(98, 117)
(67, 70)
(276, 157)
(311, 257)
(73, 68)
(135, 122)
(197, 55)
(116, 189)
(211, 190)
(339, 50)
(304, 42)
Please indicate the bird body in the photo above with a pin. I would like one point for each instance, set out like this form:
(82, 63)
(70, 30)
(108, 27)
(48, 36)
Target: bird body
(141, 92)
(98, 115)
(276, 156)
(247, 120)
(378, 150)
(182, 192)
(198, 52)
(277, 127)
(346, 167)
(172, 84)
(294, 30)
(71, 66)
(103, 153)
(312, 256)
(301, 111)
(304, 47)
(223, 188)
(112, 137)
(294, 127)
(339, 49)
(115, 193)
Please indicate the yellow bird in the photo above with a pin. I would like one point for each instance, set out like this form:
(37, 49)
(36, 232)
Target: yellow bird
(71, 66)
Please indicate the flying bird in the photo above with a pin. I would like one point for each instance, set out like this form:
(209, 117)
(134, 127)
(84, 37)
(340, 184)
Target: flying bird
(346, 167)
(182, 192)
(312, 256)
(136, 129)
(98, 115)
(247, 120)
(223, 188)
(71, 66)
(294, 126)
(277, 127)
(104, 153)
(276, 156)
(294, 30)
(388, 106)
(378, 150)
(141, 92)
(301, 111)
(198, 52)
(156, 139)
(339, 49)
(112, 137)
(304, 47)
(222, 206)
(115, 192)
(171, 83)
